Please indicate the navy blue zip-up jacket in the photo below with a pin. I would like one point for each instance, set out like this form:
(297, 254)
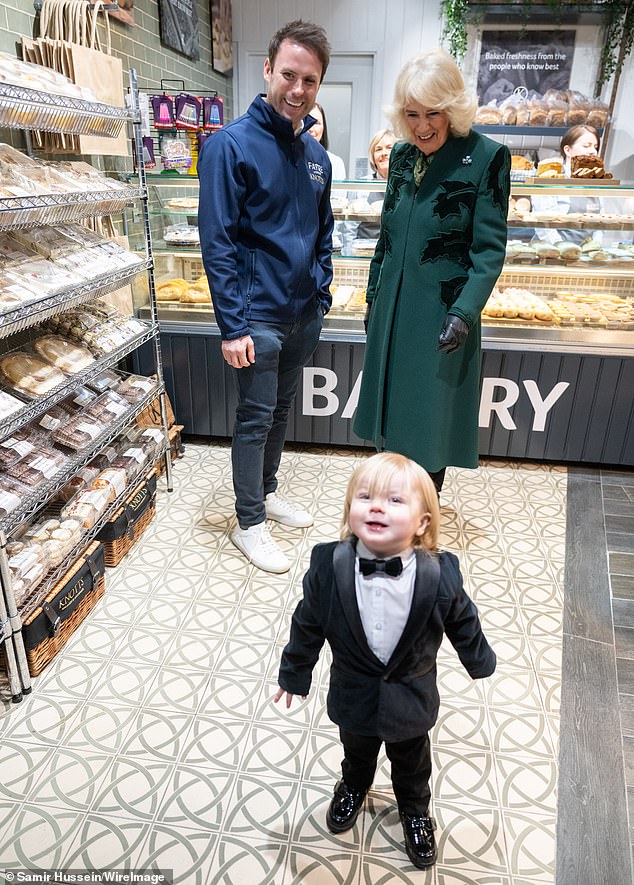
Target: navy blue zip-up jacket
(265, 220)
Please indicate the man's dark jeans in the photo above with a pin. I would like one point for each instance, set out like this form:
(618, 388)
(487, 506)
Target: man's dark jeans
(265, 394)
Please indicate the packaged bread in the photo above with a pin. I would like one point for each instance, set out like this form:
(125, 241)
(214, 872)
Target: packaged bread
(50, 242)
(60, 352)
(538, 113)
(508, 109)
(112, 481)
(488, 115)
(171, 290)
(87, 506)
(28, 373)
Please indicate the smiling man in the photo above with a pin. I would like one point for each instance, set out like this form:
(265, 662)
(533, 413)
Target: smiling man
(266, 237)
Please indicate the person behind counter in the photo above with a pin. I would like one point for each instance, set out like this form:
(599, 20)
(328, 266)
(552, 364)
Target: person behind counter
(439, 254)
(379, 151)
(382, 598)
(578, 141)
(266, 238)
(319, 130)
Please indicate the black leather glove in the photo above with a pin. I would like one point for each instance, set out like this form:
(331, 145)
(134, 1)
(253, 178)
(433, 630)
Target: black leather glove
(366, 318)
(453, 334)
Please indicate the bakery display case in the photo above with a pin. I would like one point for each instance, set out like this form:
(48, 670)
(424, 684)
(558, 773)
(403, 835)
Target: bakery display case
(70, 447)
(562, 312)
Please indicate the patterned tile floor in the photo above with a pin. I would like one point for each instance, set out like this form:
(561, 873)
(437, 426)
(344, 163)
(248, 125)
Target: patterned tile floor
(152, 741)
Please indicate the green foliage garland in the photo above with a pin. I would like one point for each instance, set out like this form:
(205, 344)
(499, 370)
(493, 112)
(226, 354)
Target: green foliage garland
(454, 32)
(618, 38)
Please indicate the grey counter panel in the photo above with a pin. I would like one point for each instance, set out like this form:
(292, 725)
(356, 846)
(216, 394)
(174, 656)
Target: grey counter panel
(592, 420)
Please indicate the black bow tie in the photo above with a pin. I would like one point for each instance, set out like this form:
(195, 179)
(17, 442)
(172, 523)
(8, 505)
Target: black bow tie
(392, 567)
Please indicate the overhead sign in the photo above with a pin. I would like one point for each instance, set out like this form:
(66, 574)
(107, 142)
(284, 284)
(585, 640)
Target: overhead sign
(538, 60)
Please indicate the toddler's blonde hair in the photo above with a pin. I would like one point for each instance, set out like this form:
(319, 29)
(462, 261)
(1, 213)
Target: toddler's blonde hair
(377, 474)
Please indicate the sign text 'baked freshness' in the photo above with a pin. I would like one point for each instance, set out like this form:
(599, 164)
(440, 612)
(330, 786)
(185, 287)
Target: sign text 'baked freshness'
(497, 398)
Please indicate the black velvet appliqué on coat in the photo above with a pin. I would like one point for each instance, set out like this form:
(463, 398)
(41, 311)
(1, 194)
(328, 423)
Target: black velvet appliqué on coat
(450, 290)
(498, 192)
(457, 195)
(452, 246)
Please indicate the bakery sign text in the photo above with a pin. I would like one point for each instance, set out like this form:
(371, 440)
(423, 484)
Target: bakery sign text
(497, 398)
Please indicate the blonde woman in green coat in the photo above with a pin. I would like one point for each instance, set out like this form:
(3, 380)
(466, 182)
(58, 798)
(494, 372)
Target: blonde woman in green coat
(439, 254)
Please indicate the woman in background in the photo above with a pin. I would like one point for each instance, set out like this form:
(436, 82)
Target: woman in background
(319, 130)
(379, 151)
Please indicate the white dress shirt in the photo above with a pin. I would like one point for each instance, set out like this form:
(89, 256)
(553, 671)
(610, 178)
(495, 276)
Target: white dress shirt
(384, 602)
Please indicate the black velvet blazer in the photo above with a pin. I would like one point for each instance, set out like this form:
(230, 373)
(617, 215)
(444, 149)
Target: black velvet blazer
(397, 700)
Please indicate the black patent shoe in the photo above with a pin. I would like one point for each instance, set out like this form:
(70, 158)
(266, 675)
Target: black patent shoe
(419, 839)
(344, 807)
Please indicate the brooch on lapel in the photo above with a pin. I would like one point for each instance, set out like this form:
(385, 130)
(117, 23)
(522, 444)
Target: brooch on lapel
(466, 161)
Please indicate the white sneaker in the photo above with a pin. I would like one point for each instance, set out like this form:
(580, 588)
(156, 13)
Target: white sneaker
(282, 510)
(259, 548)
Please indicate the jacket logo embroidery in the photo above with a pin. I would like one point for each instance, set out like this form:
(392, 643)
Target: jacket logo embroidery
(316, 171)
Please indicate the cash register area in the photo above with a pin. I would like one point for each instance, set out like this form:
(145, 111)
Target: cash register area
(152, 742)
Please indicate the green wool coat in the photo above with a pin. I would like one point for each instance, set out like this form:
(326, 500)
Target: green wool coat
(441, 249)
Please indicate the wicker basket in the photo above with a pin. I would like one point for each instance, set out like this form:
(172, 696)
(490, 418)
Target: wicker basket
(50, 626)
(130, 521)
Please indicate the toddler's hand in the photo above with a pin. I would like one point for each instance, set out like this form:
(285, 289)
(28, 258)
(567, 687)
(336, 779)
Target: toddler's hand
(289, 697)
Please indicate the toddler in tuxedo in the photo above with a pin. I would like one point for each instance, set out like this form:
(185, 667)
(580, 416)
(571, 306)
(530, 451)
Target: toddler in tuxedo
(383, 597)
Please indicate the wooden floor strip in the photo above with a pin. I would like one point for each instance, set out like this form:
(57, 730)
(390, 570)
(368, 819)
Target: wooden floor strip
(593, 843)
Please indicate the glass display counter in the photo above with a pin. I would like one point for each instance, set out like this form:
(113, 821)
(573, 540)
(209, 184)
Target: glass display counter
(558, 330)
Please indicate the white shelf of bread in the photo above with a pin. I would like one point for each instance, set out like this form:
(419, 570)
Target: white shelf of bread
(35, 97)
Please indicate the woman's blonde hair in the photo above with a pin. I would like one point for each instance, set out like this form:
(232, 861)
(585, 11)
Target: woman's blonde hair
(377, 474)
(433, 80)
(376, 138)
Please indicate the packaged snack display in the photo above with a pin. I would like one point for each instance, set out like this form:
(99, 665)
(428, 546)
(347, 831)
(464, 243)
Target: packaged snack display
(39, 466)
(107, 408)
(163, 111)
(187, 111)
(14, 448)
(78, 432)
(134, 388)
(213, 113)
(108, 380)
(175, 153)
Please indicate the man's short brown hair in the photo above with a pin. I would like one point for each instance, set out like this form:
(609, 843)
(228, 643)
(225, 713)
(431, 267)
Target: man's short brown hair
(307, 34)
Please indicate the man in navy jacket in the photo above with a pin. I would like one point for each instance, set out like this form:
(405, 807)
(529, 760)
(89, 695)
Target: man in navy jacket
(266, 235)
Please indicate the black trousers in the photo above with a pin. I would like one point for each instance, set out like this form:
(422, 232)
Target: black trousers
(411, 768)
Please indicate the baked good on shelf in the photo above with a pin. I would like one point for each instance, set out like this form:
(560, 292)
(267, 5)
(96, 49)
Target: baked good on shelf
(28, 373)
(182, 203)
(588, 166)
(550, 168)
(488, 116)
(516, 303)
(171, 290)
(64, 354)
(196, 295)
(519, 161)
